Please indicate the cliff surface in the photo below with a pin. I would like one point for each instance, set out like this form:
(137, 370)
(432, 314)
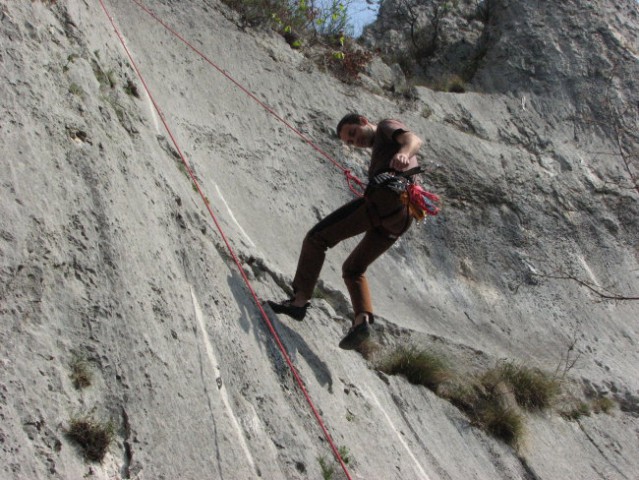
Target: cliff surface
(109, 258)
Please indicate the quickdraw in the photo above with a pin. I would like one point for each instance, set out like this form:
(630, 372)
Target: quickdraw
(420, 202)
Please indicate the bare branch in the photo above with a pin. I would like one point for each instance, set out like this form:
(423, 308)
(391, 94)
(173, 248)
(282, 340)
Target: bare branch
(572, 355)
(601, 292)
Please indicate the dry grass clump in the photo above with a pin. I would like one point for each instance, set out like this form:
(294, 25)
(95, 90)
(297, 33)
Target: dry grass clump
(456, 84)
(534, 389)
(420, 367)
(452, 84)
(602, 405)
(490, 404)
(584, 409)
(91, 436)
(464, 393)
(488, 400)
(494, 400)
(500, 421)
(81, 375)
(581, 409)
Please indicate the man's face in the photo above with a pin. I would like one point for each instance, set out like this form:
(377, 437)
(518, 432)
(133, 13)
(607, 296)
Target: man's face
(357, 134)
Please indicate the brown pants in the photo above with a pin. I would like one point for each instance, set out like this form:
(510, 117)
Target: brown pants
(380, 216)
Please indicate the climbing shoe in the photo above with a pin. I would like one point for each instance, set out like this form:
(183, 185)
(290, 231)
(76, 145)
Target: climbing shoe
(355, 336)
(287, 308)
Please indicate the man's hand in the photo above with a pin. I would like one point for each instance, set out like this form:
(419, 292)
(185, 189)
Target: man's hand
(400, 162)
(410, 144)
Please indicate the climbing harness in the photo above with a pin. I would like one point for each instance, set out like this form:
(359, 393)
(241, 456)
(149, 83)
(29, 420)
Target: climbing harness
(234, 256)
(419, 201)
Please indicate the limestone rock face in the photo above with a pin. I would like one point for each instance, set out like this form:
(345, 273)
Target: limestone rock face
(122, 306)
(432, 40)
(581, 50)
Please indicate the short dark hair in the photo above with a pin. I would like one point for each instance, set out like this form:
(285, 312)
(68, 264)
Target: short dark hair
(348, 119)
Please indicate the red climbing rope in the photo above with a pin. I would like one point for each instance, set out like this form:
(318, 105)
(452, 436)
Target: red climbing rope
(268, 322)
(350, 178)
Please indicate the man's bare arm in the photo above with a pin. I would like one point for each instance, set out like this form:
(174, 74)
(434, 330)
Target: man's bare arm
(410, 144)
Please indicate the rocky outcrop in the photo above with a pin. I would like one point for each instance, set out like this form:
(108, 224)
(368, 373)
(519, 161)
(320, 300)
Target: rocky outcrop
(432, 40)
(573, 50)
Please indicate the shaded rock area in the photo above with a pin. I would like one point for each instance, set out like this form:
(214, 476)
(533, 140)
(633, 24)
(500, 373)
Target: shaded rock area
(432, 40)
(578, 53)
(122, 308)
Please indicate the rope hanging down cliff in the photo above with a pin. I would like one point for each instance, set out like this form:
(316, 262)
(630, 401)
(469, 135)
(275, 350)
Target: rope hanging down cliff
(350, 178)
(257, 302)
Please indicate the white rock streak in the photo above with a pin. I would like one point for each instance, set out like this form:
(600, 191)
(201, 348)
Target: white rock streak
(220, 386)
(230, 212)
(420, 469)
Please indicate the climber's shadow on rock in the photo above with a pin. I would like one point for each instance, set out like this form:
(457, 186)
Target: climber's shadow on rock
(251, 320)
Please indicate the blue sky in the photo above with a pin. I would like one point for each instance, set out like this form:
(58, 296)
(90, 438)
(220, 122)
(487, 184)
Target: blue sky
(362, 13)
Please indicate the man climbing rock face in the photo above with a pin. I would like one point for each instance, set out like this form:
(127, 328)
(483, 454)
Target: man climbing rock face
(380, 215)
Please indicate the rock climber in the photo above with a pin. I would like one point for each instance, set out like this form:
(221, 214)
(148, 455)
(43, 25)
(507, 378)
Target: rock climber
(380, 215)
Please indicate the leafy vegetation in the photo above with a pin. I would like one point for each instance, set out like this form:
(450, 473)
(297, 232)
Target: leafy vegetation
(348, 62)
(309, 23)
(70, 59)
(345, 454)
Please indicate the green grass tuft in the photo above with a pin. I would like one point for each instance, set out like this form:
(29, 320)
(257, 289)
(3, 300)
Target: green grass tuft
(345, 454)
(583, 409)
(76, 89)
(327, 468)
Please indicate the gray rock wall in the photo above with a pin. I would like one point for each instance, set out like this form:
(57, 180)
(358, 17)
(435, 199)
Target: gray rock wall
(109, 255)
